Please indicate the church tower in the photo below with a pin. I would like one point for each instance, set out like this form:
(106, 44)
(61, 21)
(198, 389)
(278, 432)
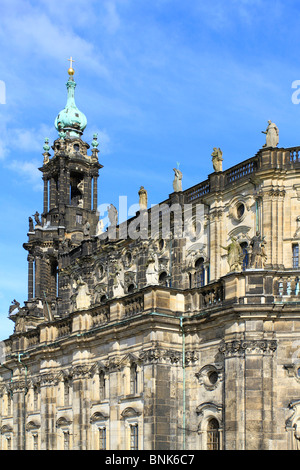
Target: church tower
(70, 205)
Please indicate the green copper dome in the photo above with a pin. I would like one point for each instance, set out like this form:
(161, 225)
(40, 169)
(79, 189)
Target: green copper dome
(70, 119)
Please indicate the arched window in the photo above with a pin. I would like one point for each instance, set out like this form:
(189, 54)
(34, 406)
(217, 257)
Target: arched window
(130, 288)
(200, 273)
(213, 435)
(133, 379)
(163, 279)
(102, 380)
(244, 247)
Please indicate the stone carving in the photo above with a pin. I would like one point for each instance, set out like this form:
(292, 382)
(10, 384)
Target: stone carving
(272, 135)
(46, 153)
(143, 201)
(293, 424)
(177, 183)
(86, 229)
(31, 227)
(210, 376)
(152, 269)
(99, 228)
(37, 218)
(14, 305)
(112, 215)
(118, 278)
(83, 297)
(217, 159)
(258, 254)
(234, 255)
(248, 346)
(297, 233)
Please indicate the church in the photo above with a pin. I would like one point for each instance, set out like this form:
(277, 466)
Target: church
(178, 329)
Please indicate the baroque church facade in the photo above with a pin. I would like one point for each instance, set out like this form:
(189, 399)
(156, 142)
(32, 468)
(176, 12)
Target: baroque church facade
(177, 329)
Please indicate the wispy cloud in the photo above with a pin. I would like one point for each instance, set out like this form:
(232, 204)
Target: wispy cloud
(28, 173)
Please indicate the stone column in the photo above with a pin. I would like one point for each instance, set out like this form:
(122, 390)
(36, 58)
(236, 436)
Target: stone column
(116, 388)
(37, 277)
(177, 261)
(30, 260)
(53, 192)
(95, 193)
(215, 242)
(273, 225)
(19, 415)
(87, 199)
(81, 415)
(48, 400)
(248, 394)
(67, 188)
(45, 195)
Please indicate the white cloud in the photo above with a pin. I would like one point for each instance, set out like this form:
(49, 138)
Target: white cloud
(36, 33)
(28, 171)
(112, 19)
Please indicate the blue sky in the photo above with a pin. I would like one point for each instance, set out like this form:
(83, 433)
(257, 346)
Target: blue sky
(161, 81)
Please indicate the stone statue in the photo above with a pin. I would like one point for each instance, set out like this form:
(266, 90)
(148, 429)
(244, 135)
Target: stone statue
(37, 218)
(112, 215)
(31, 228)
(272, 135)
(297, 434)
(258, 254)
(152, 269)
(86, 229)
(99, 228)
(143, 202)
(234, 255)
(14, 305)
(217, 159)
(177, 183)
(83, 297)
(118, 285)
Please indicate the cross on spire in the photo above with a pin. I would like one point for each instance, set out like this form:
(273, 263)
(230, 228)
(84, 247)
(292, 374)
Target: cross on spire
(71, 62)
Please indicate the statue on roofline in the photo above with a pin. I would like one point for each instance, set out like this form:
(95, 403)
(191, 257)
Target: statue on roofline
(177, 183)
(217, 159)
(272, 135)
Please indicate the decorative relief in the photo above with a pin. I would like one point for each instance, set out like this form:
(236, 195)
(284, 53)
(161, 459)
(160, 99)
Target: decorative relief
(130, 412)
(81, 371)
(190, 357)
(293, 424)
(210, 376)
(248, 346)
(293, 370)
(97, 416)
(157, 355)
(276, 192)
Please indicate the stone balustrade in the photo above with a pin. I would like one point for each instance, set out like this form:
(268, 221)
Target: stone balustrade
(248, 287)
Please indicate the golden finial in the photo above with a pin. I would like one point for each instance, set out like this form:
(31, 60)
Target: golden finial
(71, 70)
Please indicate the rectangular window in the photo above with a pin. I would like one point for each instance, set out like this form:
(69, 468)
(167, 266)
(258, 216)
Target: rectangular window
(35, 398)
(133, 379)
(102, 385)
(79, 219)
(295, 256)
(102, 438)
(35, 441)
(66, 393)
(134, 443)
(66, 440)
